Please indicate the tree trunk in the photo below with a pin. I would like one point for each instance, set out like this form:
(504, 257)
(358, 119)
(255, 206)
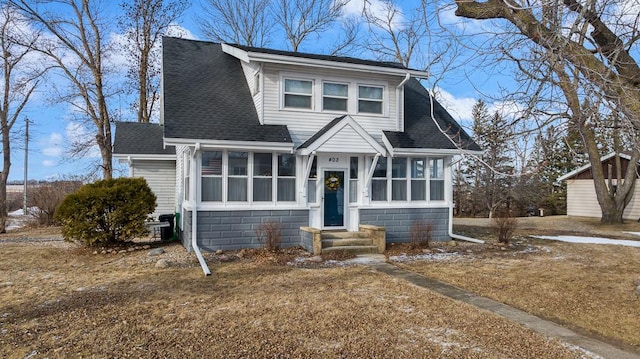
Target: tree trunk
(6, 153)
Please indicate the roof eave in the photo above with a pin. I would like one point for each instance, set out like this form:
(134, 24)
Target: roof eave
(142, 156)
(229, 144)
(397, 151)
(248, 56)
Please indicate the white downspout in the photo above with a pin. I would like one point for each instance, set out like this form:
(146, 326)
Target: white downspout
(194, 211)
(399, 122)
(458, 236)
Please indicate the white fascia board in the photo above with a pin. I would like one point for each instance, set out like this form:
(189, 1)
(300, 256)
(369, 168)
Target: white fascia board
(588, 165)
(225, 144)
(235, 52)
(292, 60)
(125, 157)
(431, 152)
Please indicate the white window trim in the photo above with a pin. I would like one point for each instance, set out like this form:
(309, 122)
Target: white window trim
(426, 180)
(285, 77)
(249, 203)
(384, 100)
(322, 97)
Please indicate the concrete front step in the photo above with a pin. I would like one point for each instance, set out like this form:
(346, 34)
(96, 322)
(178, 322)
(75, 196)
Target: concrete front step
(342, 242)
(342, 234)
(352, 249)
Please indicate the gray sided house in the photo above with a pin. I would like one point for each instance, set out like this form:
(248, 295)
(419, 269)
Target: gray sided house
(316, 143)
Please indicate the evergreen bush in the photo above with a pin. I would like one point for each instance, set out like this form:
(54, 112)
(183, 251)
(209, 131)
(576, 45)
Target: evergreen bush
(107, 211)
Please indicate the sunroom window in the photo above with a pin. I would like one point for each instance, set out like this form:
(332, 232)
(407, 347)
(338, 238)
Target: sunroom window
(399, 179)
(436, 180)
(335, 96)
(353, 180)
(418, 179)
(379, 181)
(298, 93)
(311, 181)
(370, 99)
(237, 186)
(286, 177)
(262, 177)
(211, 173)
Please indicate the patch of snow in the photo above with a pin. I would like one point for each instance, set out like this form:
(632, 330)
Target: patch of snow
(586, 354)
(591, 240)
(634, 233)
(425, 257)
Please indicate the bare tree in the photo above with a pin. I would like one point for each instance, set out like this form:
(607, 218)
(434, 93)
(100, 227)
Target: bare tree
(144, 22)
(582, 50)
(244, 22)
(20, 77)
(395, 34)
(74, 32)
(302, 18)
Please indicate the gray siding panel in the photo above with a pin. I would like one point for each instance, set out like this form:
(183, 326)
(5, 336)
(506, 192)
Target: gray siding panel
(161, 177)
(236, 229)
(397, 221)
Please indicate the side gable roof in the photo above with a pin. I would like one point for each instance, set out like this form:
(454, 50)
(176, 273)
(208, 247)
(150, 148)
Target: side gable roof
(206, 96)
(420, 130)
(584, 172)
(133, 138)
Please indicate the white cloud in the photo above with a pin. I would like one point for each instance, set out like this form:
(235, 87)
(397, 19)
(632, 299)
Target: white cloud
(76, 133)
(176, 30)
(459, 107)
(377, 8)
(52, 146)
(49, 163)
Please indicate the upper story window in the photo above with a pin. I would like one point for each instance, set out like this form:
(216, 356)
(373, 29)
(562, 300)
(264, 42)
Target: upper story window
(335, 96)
(298, 93)
(370, 99)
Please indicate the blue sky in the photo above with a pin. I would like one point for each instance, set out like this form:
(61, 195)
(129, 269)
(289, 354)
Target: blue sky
(51, 129)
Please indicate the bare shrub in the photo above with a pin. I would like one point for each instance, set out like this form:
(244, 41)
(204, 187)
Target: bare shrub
(270, 235)
(504, 226)
(45, 198)
(421, 234)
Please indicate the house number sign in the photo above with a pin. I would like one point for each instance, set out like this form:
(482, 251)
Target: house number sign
(334, 159)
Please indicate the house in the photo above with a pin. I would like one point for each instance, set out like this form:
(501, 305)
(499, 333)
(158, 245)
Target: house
(581, 193)
(313, 142)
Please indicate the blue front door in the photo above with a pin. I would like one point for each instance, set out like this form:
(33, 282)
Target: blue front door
(334, 198)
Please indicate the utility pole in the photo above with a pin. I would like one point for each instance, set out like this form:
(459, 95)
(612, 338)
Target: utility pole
(25, 210)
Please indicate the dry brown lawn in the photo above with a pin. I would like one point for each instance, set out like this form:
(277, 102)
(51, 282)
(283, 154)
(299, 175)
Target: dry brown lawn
(59, 301)
(589, 287)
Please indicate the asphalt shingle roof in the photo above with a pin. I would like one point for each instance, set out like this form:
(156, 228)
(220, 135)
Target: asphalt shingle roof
(133, 138)
(206, 96)
(420, 131)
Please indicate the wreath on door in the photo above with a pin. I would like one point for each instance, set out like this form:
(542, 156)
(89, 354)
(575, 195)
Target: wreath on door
(332, 182)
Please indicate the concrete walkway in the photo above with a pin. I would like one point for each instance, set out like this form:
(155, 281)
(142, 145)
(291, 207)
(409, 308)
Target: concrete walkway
(541, 326)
